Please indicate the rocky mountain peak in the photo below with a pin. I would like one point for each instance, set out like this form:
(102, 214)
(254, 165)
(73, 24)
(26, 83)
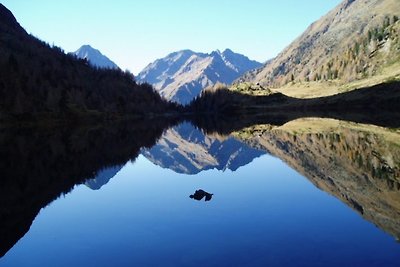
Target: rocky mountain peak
(182, 75)
(95, 57)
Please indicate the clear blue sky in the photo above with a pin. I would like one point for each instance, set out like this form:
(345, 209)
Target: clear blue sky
(135, 33)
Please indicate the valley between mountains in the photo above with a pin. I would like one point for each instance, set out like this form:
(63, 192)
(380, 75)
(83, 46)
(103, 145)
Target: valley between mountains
(130, 151)
(355, 46)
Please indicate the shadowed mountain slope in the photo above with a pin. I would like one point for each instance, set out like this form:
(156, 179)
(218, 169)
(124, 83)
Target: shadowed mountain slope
(40, 82)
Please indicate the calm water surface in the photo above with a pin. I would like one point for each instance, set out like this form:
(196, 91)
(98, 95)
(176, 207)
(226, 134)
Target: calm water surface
(262, 213)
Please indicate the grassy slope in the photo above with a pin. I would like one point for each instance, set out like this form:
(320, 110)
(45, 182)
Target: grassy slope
(303, 89)
(355, 45)
(327, 88)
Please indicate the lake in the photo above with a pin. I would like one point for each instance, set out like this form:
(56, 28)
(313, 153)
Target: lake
(304, 192)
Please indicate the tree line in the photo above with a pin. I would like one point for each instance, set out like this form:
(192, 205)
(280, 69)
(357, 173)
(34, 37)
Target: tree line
(38, 80)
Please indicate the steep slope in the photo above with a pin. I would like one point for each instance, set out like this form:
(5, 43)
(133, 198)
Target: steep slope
(359, 39)
(95, 57)
(182, 75)
(41, 82)
(185, 149)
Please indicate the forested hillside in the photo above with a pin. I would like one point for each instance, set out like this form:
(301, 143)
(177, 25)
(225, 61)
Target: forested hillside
(39, 81)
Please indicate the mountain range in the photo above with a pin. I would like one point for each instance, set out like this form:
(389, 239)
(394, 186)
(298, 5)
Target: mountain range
(95, 57)
(356, 44)
(42, 82)
(182, 75)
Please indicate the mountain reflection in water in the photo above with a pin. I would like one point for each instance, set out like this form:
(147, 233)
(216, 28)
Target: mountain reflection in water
(356, 163)
(185, 149)
(39, 165)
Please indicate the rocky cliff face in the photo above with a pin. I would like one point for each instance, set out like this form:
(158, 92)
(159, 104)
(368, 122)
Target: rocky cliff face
(358, 164)
(357, 40)
(182, 75)
(185, 149)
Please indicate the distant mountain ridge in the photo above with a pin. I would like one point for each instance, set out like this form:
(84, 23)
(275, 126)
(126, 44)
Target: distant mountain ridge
(39, 81)
(95, 57)
(358, 39)
(182, 75)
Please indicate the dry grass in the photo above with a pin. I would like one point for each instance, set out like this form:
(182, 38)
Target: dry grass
(350, 43)
(250, 89)
(319, 89)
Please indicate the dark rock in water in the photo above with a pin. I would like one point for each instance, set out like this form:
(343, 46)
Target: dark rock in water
(200, 194)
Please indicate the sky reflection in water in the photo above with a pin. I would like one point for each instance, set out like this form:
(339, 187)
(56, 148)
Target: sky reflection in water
(263, 214)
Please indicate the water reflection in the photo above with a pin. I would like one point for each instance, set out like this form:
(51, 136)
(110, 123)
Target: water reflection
(356, 163)
(103, 177)
(38, 166)
(186, 149)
